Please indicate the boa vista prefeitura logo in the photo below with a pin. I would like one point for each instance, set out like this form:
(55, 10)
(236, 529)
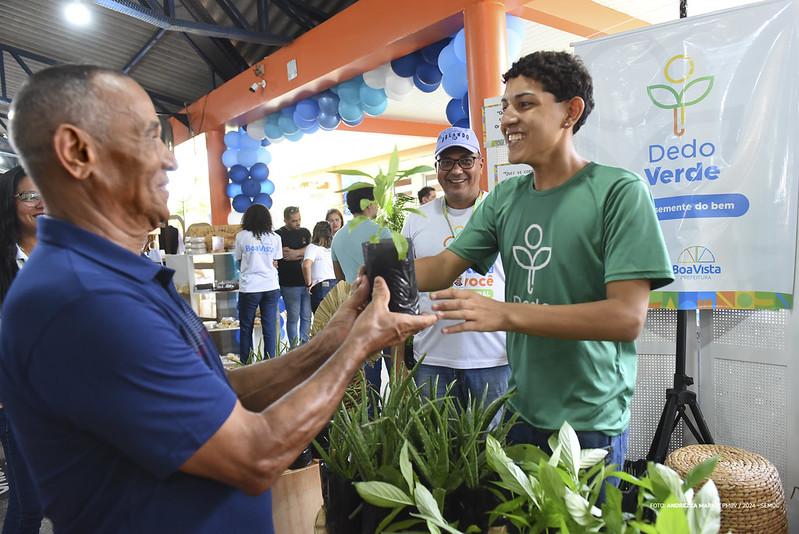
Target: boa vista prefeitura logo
(682, 91)
(696, 263)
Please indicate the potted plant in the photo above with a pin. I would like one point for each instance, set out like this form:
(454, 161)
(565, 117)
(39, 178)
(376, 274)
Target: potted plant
(390, 258)
(445, 442)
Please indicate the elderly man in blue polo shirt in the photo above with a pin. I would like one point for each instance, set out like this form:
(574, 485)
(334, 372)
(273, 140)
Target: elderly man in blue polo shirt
(121, 406)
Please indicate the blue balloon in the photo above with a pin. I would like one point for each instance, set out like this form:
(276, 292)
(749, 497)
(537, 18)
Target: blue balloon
(329, 121)
(423, 87)
(463, 123)
(374, 111)
(264, 156)
(353, 123)
(514, 24)
(288, 111)
(296, 136)
(268, 187)
(447, 60)
(248, 157)
(455, 111)
(465, 104)
(349, 92)
(238, 173)
(251, 187)
(371, 97)
(302, 122)
(313, 128)
(430, 52)
(246, 142)
(273, 132)
(272, 118)
(263, 199)
(287, 125)
(428, 74)
(459, 45)
(328, 103)
(455, 82)
(241, 203)
(348, 111)
(232, 139)
(405, 66)
(230, 157)
(259, 172)
(308, 109)
(232, 190)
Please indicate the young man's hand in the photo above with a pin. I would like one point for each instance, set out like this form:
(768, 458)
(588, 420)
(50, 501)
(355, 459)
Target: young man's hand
(478, 313)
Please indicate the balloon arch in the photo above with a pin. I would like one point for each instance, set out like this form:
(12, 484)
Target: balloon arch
(440, 64)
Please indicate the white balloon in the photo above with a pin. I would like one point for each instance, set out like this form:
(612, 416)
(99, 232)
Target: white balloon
(256, 129)
(376, 79)
(398, 87)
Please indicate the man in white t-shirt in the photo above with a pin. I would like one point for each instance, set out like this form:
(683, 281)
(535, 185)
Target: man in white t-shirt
(475, 359)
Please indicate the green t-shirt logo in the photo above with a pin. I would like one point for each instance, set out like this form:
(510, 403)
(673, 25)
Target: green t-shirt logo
(534, 259)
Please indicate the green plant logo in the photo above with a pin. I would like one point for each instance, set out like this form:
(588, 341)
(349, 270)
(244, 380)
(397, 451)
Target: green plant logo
(687, 93)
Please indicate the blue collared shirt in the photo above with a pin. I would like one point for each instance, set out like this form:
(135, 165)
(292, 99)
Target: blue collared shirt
(111, 384)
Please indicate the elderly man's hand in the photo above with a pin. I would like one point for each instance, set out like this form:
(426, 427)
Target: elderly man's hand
(377, 327)
(340, 324)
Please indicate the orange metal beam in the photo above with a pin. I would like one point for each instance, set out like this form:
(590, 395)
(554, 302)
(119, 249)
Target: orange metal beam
(387, 125)
(360, 38)
(580, 17)
(217, 175)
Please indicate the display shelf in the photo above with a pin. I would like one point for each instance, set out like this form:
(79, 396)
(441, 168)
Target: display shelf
(229, 329)
(207, 291)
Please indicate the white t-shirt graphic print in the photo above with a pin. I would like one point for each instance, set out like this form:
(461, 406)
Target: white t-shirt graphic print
(256, 256)
(467, 350)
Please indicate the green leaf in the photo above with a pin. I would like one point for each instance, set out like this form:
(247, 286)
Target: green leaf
(660, 95)
(699, 473)
(405, 466)
(526, 453)
(611, 510)
(591, 457)
(426, 503)
(382, 494)
(672, 518)
(401, 526)
(567, 439)
(627, 477)
(646, 528)
(401, 244)
(704, 517)
(665, 483)
(415, 170)
(579, 509)
(694, 86)
(393, 165)
(352, 172)
(415, 211)
(551, 482)
(353, 187)
(388, 519)
(365, 203)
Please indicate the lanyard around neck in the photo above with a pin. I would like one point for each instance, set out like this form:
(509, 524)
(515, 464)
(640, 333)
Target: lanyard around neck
(445, 210)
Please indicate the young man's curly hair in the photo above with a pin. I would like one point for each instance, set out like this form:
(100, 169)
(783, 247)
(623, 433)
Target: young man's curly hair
(560, 73)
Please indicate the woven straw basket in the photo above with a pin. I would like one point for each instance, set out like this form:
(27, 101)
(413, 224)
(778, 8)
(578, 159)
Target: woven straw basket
(752, 499)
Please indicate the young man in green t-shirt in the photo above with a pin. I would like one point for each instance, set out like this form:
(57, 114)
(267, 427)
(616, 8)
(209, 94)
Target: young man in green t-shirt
(582, 248)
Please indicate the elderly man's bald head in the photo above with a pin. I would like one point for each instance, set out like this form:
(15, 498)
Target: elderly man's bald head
(66, 94)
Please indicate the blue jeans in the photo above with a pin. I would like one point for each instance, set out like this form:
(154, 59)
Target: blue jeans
(524, 432)
(248, 303)
(320, 291)
(298, 310)
(468, 382)
(24, 513)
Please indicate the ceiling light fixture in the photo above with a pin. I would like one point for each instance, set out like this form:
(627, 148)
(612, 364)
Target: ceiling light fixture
(77, 13)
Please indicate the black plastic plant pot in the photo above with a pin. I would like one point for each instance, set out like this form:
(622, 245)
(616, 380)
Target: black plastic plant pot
(380, 259)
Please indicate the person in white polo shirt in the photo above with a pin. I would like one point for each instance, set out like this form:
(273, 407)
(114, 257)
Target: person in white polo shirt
(475, 360)
(257, 250)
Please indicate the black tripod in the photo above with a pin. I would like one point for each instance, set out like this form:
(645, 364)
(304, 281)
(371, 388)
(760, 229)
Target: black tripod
(678, 399)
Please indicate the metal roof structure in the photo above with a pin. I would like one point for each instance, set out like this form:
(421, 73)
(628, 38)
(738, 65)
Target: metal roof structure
(176, 49)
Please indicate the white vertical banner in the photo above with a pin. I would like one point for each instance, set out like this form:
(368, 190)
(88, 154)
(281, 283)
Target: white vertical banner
(706, 110)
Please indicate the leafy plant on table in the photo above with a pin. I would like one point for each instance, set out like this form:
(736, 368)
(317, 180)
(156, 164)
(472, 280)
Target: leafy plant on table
(389, 209)
(560, 492)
